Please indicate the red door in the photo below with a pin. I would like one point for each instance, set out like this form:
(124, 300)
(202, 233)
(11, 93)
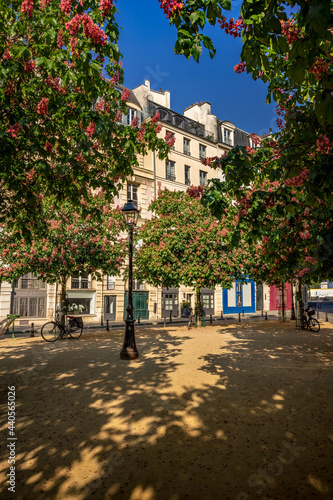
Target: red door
(276, 298)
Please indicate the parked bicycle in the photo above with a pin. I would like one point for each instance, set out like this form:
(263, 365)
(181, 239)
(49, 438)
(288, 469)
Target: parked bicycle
(53, 330)
(310, 322)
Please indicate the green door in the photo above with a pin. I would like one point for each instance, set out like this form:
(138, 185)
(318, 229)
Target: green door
(140, 304)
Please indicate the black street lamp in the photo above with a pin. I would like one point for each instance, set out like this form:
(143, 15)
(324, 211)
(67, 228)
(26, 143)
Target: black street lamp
(129, 350)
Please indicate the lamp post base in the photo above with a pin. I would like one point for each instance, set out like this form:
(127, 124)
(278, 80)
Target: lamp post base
(129, 353)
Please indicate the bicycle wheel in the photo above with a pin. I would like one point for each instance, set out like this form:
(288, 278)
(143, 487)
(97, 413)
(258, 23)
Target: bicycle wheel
(314, 324)
(75, 332)
(51, 331)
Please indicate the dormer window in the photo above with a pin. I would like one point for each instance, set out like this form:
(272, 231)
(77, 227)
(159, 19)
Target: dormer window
(132, 114)
(228, 137)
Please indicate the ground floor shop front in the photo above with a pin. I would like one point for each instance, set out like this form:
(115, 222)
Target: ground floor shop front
(99, 301)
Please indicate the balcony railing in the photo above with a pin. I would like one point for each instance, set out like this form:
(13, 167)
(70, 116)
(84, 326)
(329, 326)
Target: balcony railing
(188, 181)
(170, 177)
(81, 284)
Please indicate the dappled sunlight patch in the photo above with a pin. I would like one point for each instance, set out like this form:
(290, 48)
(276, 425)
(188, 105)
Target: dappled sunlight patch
(143, 493)
(278, 397)
(34, 478)
(220, 434)
(65, 375)
(318, 484)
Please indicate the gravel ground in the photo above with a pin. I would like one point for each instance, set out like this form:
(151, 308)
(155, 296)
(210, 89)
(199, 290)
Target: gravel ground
(240, 412)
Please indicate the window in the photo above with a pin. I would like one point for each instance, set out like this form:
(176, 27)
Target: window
(203, 178)
(132, 113)
(208, 301)
(170, 171)
(80, 281)
(79, 305)
(29, 306)
(111, 283)
(187, 175)
(227, 136)
(187, 146)
(202, 151)
(168, 302)
(29, 282)
(139, 285)
(132, 193)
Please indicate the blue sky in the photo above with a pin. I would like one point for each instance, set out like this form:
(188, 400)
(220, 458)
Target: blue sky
(147, 44)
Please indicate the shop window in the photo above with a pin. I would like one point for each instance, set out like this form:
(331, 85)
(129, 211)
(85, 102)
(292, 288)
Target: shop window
(79, 305)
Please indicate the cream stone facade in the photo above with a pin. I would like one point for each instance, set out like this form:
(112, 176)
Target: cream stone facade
(198, 134)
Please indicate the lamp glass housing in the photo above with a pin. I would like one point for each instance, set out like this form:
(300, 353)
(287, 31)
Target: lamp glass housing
(130, 213)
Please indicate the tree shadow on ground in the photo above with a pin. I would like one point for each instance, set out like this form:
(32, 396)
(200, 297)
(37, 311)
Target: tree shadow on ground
(248, 418)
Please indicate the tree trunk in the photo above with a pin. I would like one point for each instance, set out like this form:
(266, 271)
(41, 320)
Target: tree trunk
(301, 307)
(198, 306)
(63, 305)
(293, 317)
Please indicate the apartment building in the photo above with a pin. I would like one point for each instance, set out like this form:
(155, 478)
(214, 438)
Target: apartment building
(198, 134)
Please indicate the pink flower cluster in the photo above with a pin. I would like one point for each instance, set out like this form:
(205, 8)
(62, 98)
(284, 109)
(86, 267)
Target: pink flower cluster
(14, 130)
(80, 158)
(280, 123)
(141, 132)
(319, 68)
(10, 88)
(27, 7)
(232, 27)
(135, 122)
(60, 39)
(48, 147)
(92, 31)
(73, 43)
(74, 24)
(44, 3)
(6, 55)
(91, 129)
(116, 77)
(100, 105)
(299, 179)
(156, 117)
(42, 106)
(289, 30)
(209, 161)
(54, 84)
(118, 116)
(65, 6)
(105, 6)
(195, 191)
(324, 145)
(240, 67)
(170, 139)
(29, 66)
(170, 7)
(125, 94)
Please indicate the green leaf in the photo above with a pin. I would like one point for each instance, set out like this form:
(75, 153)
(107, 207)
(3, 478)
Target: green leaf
(196, 51)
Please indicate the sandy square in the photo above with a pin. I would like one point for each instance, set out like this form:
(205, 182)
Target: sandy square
(241, 411)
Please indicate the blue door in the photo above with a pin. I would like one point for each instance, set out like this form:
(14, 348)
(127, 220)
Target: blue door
(239, 298)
